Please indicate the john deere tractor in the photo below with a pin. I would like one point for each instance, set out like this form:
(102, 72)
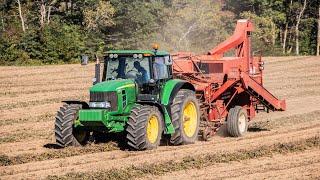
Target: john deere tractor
(136, 95)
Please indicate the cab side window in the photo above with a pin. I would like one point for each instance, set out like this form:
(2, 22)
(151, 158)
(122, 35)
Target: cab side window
(160, 68)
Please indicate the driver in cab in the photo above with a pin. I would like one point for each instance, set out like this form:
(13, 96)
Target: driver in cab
(144, 77)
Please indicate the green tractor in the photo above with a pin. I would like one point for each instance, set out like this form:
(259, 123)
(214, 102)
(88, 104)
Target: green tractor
(136, 95)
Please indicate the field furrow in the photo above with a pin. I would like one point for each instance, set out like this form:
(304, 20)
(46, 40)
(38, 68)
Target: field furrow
(30, 97)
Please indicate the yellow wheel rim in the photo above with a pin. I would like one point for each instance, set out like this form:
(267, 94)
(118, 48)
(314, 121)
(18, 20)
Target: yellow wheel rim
(153, 129)
(190, 118)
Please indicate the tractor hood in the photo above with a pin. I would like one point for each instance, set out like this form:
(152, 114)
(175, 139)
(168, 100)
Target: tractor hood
(113, 85)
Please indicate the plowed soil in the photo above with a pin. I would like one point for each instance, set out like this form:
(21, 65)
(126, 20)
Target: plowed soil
(279, 145)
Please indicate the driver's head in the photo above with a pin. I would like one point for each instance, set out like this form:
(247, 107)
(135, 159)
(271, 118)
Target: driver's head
(137, 65)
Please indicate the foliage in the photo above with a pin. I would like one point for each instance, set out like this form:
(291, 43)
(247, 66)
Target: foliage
(136, 22)
(99, 16)
(276, 22)
(59, 31)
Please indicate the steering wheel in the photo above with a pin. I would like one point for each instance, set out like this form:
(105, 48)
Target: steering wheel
(132, 74)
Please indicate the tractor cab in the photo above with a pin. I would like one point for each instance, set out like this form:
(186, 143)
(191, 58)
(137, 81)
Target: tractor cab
(148, 69)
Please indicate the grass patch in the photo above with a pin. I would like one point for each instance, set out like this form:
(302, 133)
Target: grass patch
(192, 162)
(56, 153)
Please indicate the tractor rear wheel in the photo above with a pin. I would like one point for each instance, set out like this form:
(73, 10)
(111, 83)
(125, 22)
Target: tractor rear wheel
(237, 122)
(185, 118)
(144, 127)
(65, 132)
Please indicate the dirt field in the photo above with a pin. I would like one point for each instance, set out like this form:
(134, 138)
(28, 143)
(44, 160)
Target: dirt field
(282, 145)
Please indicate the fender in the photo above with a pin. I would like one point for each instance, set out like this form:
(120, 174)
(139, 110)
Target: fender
(171, 89)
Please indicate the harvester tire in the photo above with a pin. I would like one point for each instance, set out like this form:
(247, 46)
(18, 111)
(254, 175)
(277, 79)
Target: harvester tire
(185, 118)
(144, 127)
(237, 122)
(65, 132)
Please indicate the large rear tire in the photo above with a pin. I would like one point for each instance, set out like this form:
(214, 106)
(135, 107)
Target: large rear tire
(185, 118)
(65, 132)
(144, 127)
(237, 122)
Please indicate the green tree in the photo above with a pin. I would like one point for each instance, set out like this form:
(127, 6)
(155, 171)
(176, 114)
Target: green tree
(292, 19)
(136, 23)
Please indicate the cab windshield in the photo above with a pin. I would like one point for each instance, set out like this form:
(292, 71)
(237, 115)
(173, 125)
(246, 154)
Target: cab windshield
(137, 69)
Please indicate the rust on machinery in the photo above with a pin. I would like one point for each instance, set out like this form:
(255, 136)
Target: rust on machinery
(222, 82)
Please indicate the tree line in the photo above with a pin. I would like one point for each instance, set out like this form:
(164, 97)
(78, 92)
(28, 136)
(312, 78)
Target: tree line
(59, 31)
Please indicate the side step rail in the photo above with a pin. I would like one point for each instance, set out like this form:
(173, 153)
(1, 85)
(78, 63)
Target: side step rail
(261, 94)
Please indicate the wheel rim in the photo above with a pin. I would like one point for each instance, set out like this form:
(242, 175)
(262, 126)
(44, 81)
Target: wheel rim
(190, 117)
(242, 123)
(153, 129)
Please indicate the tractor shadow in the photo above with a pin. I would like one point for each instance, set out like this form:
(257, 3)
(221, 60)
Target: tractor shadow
(257, 129)
(223, 132)
(119, 140)
(52, 146)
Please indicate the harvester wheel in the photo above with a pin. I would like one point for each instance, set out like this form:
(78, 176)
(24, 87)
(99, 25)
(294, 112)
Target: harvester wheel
(144, 127)
(237, 122)
(65, 132)
(185, 118)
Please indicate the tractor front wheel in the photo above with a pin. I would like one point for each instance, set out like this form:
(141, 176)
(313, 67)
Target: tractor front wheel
(237, 122)
(65, 132)
(185, 118)
(144, 127)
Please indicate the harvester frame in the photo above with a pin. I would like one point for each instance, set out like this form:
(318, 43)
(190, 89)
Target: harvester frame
(222, 83)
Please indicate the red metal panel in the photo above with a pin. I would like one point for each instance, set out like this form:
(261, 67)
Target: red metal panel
(265, 94)
(222, 89)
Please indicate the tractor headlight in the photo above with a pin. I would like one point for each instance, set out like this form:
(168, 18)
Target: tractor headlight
(99, 105)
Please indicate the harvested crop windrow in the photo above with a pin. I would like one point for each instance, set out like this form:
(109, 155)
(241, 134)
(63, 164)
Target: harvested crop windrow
(56, 153)
(38, 118)
(192, 162)
(31, 158)
(250, 136)
(42, 83)
(44, 70)
(24, 136)
(37, 102)
(46, 97)
(43, 89)
(268, 125)
(300, 165)
(30, 85)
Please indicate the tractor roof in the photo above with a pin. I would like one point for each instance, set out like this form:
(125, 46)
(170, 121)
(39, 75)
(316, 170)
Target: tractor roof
(125, 52)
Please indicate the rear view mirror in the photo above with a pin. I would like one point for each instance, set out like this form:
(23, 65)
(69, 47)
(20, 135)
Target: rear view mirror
(84, 60)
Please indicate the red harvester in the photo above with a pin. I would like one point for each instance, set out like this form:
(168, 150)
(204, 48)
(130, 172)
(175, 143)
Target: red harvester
(226, 84)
